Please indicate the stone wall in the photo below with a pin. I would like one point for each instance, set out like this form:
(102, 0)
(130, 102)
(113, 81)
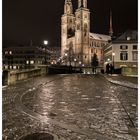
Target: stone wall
(11, 77)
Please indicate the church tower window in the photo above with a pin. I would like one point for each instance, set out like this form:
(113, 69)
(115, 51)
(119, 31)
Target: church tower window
(78, 26)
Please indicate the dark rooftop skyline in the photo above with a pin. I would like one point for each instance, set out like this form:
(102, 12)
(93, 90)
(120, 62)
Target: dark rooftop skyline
(39, 20)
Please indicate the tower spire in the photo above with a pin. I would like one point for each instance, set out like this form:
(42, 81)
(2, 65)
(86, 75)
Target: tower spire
(68, 9)
(111, 27)
(82, 3)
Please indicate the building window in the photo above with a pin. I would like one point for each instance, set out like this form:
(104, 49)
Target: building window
(31, 62)
(6, 52)
(91, 50)
(78, 26)
(135, 47)
(123, 56)
(85, 16)
(135, 56)
(123, 47)
(85, 56)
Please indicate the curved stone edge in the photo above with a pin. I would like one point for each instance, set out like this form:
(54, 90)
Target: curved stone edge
(55, 137)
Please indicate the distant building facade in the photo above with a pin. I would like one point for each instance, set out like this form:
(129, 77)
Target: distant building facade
(22, 57)
(77, 42)
(55, 54)
(123, 51)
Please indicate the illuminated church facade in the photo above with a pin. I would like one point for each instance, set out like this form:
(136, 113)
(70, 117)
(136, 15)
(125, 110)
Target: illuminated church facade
(78, 44)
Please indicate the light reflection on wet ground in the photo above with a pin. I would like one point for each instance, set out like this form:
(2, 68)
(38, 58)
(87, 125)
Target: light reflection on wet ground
(74, 107)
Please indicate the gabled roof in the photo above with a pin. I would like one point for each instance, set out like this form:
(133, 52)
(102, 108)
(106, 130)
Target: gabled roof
(100, 37)
(128, 35)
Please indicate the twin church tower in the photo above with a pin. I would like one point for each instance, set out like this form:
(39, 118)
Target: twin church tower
(77, 43)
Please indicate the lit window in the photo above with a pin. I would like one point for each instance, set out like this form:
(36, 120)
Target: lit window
(31, 62)
(6, 52)
(123, 56)
(10, 52)
(27, 62)
(14, 67)
(6, 67)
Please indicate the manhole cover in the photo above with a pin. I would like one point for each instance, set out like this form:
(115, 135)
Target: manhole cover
(38, 136)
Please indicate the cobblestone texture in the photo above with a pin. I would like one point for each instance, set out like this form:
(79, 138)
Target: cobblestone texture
(73, 107)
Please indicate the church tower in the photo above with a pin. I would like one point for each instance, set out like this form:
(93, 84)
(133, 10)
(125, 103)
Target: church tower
(82, 32)
(67, 25)
(111, 27)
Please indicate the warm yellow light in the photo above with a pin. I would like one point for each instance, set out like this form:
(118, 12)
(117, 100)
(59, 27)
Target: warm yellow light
(10, 52)
(113, 54)
(31, 62)
(27, 62)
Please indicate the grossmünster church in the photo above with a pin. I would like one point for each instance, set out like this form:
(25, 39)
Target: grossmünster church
(78, 44)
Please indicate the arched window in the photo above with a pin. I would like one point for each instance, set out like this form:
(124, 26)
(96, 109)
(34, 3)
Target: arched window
(78, 26)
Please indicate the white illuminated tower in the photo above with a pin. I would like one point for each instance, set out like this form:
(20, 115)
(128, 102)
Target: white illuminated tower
(67, 25)
(82, 32)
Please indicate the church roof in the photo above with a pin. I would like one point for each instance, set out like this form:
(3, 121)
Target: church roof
(100, 37)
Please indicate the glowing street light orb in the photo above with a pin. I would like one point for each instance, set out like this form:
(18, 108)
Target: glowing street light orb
(113, 54)
(45, 42)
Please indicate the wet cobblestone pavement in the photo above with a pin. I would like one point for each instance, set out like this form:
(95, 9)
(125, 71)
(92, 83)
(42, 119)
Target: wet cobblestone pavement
(71, 107)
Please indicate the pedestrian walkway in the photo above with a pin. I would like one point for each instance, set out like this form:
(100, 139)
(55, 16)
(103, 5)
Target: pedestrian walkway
(130, 82)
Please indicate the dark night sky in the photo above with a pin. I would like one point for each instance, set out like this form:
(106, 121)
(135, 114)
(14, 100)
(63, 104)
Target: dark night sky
(24, 20)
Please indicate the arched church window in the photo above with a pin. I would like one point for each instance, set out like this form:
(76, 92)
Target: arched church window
(85, 29)
(85, 16)
(71, 32)
(70, 20)
(78, 26)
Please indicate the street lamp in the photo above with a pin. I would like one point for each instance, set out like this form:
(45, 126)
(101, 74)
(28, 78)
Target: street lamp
(65, 58)
(75, 63)
(108, 59)
(45, 44)
(113, 55)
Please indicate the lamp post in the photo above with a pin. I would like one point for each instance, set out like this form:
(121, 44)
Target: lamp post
(75, 63)
(66, 58)
(45, 44)
(113, 55)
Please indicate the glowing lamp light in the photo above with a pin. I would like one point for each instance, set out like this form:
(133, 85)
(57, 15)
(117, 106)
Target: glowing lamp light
(113, 54)
(45, 42)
